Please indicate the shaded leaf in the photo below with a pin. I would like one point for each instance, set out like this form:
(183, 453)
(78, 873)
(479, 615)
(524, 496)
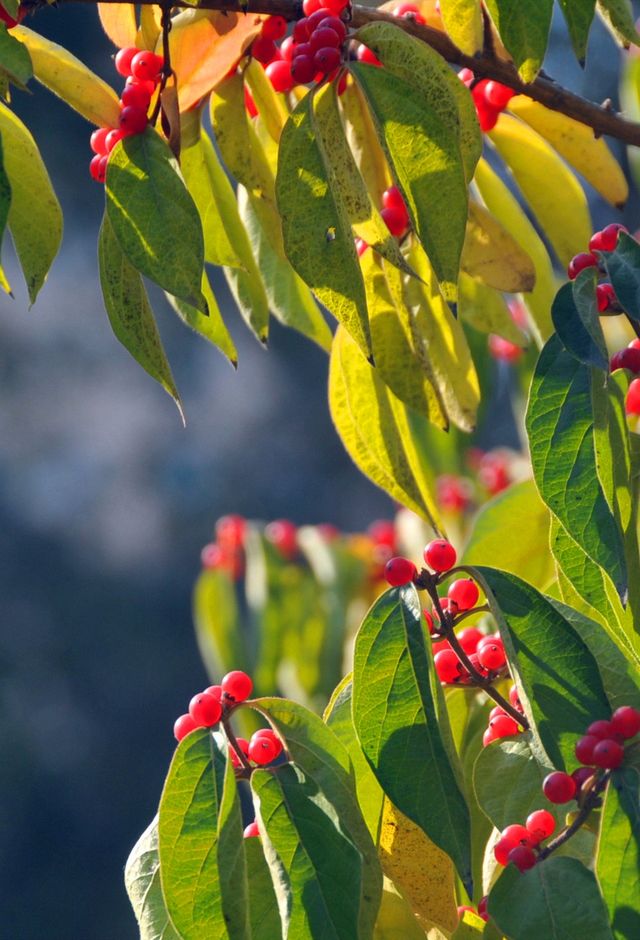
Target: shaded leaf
(15, 61)
(395, 918)
(524, 30)
(142, 881)
(618, 16)
(577, 321)
(623, 268)
(579, 16)
(264, 916)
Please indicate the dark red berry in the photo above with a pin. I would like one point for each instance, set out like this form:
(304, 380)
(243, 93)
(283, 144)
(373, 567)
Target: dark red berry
(395, 220)
(251, 830)
(522, 857)
(440, 555)
(133, 121)
(327, 59)
(98, 168)
(324, 37)
(582, 774)
(559, 787)
(301, 30)
(579, 263)
(600, 729)
(464, 592)
(264, 50)
(399, 571)
(274, 28)
(146, 66)
(280, 75)
(123, 60)
(332, 22)
(605, 297)
(183, 726)
(608, 754)
(541, 824)
(482, 907)
(303, 69)
(205, 710)
(627, 358)
(237, 685)
(607, 239)
(584, 748)
(626, 721)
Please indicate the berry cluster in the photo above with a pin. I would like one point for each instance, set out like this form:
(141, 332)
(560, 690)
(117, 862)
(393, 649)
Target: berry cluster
(501, 724)
(493, 472)
(602, 745)
(604, 240)
(208, 707)
(518, 844)
(489, 97)
(143, 71)
(264, 747)
(227, 551)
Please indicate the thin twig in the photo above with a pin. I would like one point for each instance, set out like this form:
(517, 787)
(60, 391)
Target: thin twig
(585, 810)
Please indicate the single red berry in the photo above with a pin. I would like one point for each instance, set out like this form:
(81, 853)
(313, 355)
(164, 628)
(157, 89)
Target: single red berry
(469, 639)
(264, 50)
(454, 493)
(332, 22)
(584, 748)
(579, 263)
(146, 66)
(492, 655)
(477, 665)
(133, 121)
(446, 605)
(301, 30)
(269, 735)
(286, 48)
(237, 685)
(231, 530)
(607, 239)
(98, 168)
(392, 198)
(310, 6)
(303, 69)
(323, 37)
(497, 95)
(251, 830)
(541, 824)
(440, 555)
(503, 726)
(582, 774)
(608, 754)
(503, 350)
(123, 60)
(464, 592)
(487, 118)
(627, 358)
(559, 787)
(327, 59)
(516, 834)
(522, 857)
(279, 74)
(409, 11)
(440, 645)
(626, 721)
(136, 96)
(632, 402)
(283, 534)
(395, 220)
(205, 710)
(399, 571)
(634, 344)
(274, 28)
(149, 86)
(448, 666)
(364, 54)
(514, 699)
(489, 737)
(263, 750)
(112, 138)
(183, 726)
(601, 729)
(495, 712)
(216, 691)
(383, 532)
(99, 141)
(605, 297)
(243, 746)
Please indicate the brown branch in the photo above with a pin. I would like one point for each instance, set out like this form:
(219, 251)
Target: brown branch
(601, 118)
(590, 803)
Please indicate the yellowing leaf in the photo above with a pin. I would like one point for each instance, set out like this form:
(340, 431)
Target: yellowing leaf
(486, 310)
(423, 872)
(150, 26)
(70, 79)
(119, 23)
(205, 45)
(271, 107)
(395, 919)
(574, 141)
(548, 185)
(463, 22)
(363, 140)
(491, 254)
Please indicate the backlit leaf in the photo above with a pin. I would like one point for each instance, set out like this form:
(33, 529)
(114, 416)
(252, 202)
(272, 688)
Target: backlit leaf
(491, 254)
(264, 916)
(524, 30)
(618, 16)
(212, 327)
(119, 23)
(142, 881)
(15, 61)
(463, 22)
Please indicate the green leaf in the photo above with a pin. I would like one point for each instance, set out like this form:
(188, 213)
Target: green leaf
(315, 866)
(618, 16)
(507, 779)
(524, 30)
(424, 152)
(519, 509)
(248, 291)
(15, 61)
(270, 104)
(153, 216)
(142, 881)
(579, 16)
(35, 217)
(577, 321)
(398, 722)
(558, 680)
(212, 327)
(130, 313)
(463, 22)
(623, 268)
(560, 430)
(618, 861)
(375, 429)
(557, 899)
(5, 200)
(202, 862)
(264, 916)
(217, 624)
(317, 234)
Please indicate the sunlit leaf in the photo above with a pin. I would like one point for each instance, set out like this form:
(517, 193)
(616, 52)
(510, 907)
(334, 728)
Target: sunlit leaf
(463, 21)
(119, 23)
(491, 254)
(524, 30)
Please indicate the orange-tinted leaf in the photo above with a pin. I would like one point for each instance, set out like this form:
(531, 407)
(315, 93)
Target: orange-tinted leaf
(119, 23)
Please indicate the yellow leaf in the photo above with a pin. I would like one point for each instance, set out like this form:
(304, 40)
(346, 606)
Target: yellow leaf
(491, 254)
(363, 140)
(119, 23)
(574, 141)
(421, 871)
(548, 185)
(271, 106)
(485, 310)
(70, 79)
(150, 27)
(204, 46)
(395, 919)
(471, 927)
(463, 22)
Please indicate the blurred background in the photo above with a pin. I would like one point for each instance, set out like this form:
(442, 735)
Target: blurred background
(105, 503)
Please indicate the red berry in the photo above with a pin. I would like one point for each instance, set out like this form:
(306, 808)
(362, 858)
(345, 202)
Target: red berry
(440, 555)
(626, 721)
(522, 857)
(251, 830)
(482, 907)
(466, 76)
(123, 60)
(634, 344)
(324, 37)
(608, 754)
(448, 666)
(301, 30)
(283, 534)
(605, 296)
(488, 737)
(99, 141)
(464, 592)
(112, 139)
(274, 28)
(98, 168)
(364, 54)
(383, 532)
(264, 50)
(216, 691)
(440, 645)
(498, 95)
(579, 263)
(503, 726)
(495, 712)
(627, 358)
(335, 6)
(243, 746)
(559, 787)
(327, 59)
(409, 11)
(607, 239)
(149, 86)
(487, 117)
(136, 96)
(133, 121)
(516, 834)
(231, 530)
(395, 220)
(632, 403)
(310, 6)
(541, 824)
(503, 350)
(492, 655)
(584, 748)
(183, 726)
(392, 198)
(469, 639)
(279, 74)
(303, 69)
(582, 774)
(263, 750)
(332, 22)
(513, 698)
(477, 665)
(237, 685)
(205, 710)
(399, 571)
(601, 729)
(286, 48)
(146, 66)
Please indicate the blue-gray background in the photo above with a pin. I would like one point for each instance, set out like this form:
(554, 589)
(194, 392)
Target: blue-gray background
(105, 502)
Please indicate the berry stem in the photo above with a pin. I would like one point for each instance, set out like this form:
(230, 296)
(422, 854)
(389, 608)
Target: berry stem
(482, 609)
(233, 741)
(588, 805)
(166, 53)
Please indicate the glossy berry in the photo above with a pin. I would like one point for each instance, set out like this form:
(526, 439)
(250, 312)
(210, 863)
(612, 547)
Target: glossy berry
(608, 754)
(310, 6)
(584, 748)
(469, 639)
(627, 358)
(489, 737)
(303, 69)
(559, 787)
(541, 824)
(626, 721)
(491, 655)
(448, 666)
(399, 571)
(327, 59)
(132, 121)
(283, 534)
(605, 297)
(237, 685)
(503, 726)
(464, 592)
(123, 60)
(183, 726)
(496, 711)
(205, 710)
(98, 168)
(216, 691)
(516, 834)
(251, 830)
(263, 750)
(146, 66)
(301, 30)
(364, 54)
(287, 47)
(280, 76)
(136, 96)
(275, 27)
(601, 729)
(264, 50)
(579, 263)
(335, 6)
(149, 86)
(440, 555)
(497, 95)
(112, 138)
(607, 239)
(523, 857)
(582, 774)
(99, 141)
(395, 220)
(332, 22)
(324, 37)
(632, 402)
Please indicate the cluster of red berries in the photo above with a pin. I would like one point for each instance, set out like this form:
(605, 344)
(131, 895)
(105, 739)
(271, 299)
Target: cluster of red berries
(627, 358)
(604, 240)
(486, 655)
(493, 474)
(518, 844)
(407, 11)
(142, 70)
(489, 97)
(501, 724)
(207, 708)
(264, 747)
(227, 551)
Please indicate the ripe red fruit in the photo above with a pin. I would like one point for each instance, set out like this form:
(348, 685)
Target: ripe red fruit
(99, 141)
(237, 685)
(487, 117)
(283, 534)
(263, 750)
(123, 60)
(280, 76)
(303, 69)
(579, 262)
(440, 555)
(146, 66)
(541, 824)
(632, 403)
(335, 6)
(503, 726)
(243, 746)
(310, 6)
(287, 47)
(98, 168)
(216, 691)
(301, 30)
(488, 737)
(183, 726)
(274, 28)
(264, 50)
(495, 711)
(324, 37)
(464, 592)
(607, 239)
(503, 350)
(332, 22)
(469, 639)
(136, 96)
(601, 729)
(497, 95)
(466, 76)
(559, 787)
(627, 358)
(513, 698)
(132, 121)
(605, 297)
(522, 857)
(392, 198)
(112, 139)
(327, 59)
(205, 710)
(251, 830)
(516, 834)
(626, 721)
(582, 774)
(364, 54)
(448, 666)
(608, 754)
(634, 344)
(584, 748)
(395, 220)
(491, 655)
(149, 86)
(399, 571)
